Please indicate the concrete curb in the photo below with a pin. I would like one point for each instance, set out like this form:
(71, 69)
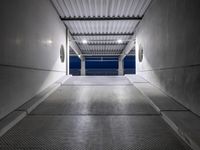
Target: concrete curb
(36, 100)
(189, 133)
(63, 79)
(135, 79)
(159, 100)
(14, 117)
(11, 120)
(190, 136)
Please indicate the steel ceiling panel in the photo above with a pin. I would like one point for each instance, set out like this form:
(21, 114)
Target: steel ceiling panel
(101, 26)
(101, 38)
(103, 49)
(101, 8)
(105, 43)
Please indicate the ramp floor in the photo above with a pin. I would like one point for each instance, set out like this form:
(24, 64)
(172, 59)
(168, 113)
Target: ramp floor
(95, 100)
(98, 80)
(93, 115)
(92, 133)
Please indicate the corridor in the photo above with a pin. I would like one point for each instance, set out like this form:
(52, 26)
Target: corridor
(99, 74)
(97, 113)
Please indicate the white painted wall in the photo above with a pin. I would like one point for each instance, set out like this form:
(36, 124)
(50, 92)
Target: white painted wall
(170, 36)
(31, 35)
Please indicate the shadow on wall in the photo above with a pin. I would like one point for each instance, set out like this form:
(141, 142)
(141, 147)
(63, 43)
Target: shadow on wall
(170, 35)
(30, 50)
(180, 83)
(19, 84)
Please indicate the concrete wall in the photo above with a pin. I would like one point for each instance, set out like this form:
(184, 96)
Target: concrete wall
(170, 36)
(31, 35)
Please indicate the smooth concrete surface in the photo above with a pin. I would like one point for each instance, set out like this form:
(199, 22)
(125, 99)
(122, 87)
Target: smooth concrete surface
(63, 79)
(186, 124)
(98, 80)
(159, 100)
(92, 132)
(135, 79)
(10, 121)
(31, 35)
(169, 34)
(95, 100)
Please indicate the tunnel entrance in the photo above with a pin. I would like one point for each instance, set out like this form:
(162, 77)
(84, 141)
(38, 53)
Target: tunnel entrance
(102, 65)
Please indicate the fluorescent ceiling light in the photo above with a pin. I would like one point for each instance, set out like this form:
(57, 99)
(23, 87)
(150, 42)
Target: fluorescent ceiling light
(84, 41)
(119, 41)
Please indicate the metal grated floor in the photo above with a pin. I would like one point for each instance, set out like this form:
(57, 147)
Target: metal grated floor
(159, 99)
(96, 100)
(91, 132)
(110, 116)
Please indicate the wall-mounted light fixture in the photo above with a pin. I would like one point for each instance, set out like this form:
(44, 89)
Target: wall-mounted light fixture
(140, 53)
(62, 54)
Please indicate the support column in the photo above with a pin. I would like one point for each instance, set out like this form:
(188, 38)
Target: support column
(120, 67)
(82, 66)
(67, 51)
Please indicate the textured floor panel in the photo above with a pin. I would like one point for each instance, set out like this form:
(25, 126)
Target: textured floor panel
(95, 100)
(160, 100)
(91, 132)
(97, 80)
(186, 124)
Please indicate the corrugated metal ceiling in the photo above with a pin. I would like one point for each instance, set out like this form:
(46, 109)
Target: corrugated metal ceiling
(101, 8)
(98, 44)
(101, 26)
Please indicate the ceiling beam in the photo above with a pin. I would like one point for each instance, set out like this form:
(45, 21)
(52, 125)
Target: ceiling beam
(102, 34)
(75, 47)
(101, 54)
(111, 44)
(100, 18)
(127, 49)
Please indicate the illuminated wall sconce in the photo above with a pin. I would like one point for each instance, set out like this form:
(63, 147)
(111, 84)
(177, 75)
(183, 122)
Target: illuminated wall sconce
(62, 54)
(140, 53)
